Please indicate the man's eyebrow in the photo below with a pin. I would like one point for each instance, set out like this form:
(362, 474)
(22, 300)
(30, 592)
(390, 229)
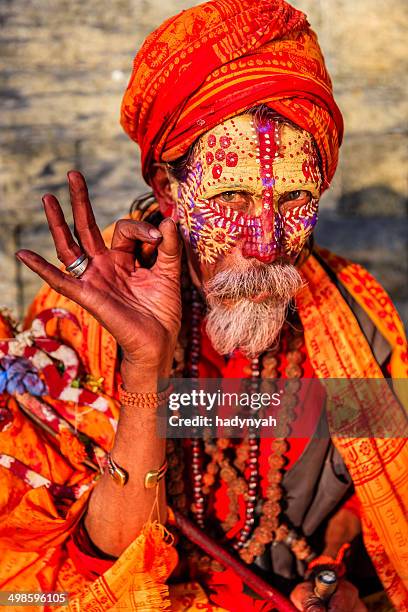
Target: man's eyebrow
(234, 188)
(215, 190)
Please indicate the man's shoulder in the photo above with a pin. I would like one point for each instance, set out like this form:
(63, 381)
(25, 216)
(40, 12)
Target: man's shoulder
(356, 280)
(372, 306)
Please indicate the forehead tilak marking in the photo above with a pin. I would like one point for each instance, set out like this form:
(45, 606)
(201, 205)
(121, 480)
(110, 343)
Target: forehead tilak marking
(265, 245)
(256, 231)
(299, 222)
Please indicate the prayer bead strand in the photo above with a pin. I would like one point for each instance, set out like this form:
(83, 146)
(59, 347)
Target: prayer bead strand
(253, 466)
(250, 542)
(196, 444)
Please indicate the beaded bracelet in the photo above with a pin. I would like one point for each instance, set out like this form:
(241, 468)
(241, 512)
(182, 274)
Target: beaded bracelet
(143, 400)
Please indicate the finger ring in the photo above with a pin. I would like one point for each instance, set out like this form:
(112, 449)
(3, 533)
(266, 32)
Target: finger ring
(78, 267)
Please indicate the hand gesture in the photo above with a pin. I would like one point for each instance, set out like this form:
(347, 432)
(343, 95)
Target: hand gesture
(140, 307)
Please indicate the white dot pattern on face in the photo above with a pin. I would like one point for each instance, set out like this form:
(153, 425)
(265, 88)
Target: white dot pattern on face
(266, 245)
(263, 160)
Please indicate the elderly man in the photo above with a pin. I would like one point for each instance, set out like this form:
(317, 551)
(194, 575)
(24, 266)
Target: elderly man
(232, 107)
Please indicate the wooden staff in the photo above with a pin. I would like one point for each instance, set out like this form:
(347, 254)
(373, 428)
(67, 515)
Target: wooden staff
(217, 552)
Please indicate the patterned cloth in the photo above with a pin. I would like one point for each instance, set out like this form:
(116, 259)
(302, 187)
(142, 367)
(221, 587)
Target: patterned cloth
(219, 59)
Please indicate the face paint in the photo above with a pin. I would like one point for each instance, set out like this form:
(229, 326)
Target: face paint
(266, 246)
(256, 184)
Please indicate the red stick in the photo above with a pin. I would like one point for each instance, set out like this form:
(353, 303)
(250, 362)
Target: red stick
(217, 552)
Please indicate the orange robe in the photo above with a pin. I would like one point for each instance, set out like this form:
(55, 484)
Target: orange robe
(34, 527)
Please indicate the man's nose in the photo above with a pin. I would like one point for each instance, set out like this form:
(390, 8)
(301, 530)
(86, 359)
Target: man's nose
(262, 239)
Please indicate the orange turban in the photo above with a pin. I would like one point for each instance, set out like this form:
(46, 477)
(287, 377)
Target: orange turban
(217, 60)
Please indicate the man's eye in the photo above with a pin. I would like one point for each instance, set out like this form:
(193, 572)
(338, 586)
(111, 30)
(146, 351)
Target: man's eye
(230, 196)
(294, 195)
(235, 199)
(294, 198)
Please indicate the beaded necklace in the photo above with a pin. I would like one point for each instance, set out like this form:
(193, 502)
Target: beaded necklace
(241, 475)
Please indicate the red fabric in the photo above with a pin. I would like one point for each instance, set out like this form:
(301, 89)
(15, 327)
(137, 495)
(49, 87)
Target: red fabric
(86, 564)
(213, 365)
(227, 592)
(219, 59)
(337, 563)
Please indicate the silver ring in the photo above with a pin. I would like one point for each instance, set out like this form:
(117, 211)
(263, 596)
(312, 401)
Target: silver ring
(78, 267)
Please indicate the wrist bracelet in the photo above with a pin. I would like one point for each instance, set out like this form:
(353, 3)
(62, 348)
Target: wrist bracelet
(121, 477)
(118, 474)
(153, 477)
(143, 400)
(324, 561)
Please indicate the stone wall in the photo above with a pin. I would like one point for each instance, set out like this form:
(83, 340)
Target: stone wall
(65, 66)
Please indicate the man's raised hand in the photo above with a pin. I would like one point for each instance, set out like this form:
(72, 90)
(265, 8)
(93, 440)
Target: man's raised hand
(140, 307)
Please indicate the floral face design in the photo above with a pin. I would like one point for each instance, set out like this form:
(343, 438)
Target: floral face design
(256, 184)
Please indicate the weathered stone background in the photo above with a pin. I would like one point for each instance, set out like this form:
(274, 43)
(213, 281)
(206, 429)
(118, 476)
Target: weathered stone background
(65, 64)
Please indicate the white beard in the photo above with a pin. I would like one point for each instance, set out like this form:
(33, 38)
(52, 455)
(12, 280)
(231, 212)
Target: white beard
(242, 323)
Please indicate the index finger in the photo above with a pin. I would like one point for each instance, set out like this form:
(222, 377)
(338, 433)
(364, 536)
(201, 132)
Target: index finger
(86, 229)
(169, 250)
(127, 232)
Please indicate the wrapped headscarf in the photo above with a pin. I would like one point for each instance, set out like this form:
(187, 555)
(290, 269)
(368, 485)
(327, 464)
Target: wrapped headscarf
(219, 59)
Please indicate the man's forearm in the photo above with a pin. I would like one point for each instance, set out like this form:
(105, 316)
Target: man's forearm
(343, 527)
(117, 514)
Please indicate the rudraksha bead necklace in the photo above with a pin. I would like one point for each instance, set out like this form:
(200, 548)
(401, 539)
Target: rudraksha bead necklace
(250, 542)
(196, 444)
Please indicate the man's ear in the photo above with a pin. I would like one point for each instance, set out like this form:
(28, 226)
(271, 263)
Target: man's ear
(162, 189)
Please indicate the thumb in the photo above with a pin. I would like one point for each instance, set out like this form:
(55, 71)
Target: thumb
(169, 250)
